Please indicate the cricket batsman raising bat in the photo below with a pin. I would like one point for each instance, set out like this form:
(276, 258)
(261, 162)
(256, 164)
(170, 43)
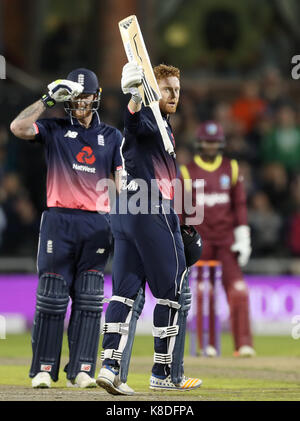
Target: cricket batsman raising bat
(136, 52)
(148, 245)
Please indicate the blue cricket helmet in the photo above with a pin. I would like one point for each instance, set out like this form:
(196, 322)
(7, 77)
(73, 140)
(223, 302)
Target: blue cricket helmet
(90, 83)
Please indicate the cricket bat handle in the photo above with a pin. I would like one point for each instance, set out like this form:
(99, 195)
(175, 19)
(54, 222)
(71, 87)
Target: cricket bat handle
(162, 128)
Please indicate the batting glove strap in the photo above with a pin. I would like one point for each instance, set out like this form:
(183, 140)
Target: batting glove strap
(121, 328)
(48, 101)
(112, 354)
(135, 95)
(162, 358)
(165, 332)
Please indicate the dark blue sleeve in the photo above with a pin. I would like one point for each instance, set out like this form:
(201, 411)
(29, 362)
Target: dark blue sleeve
(44, 129)
(117, 160)
(141, 123)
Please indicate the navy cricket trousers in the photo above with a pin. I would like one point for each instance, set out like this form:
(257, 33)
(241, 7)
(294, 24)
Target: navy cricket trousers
(147, 247)
(73, 241)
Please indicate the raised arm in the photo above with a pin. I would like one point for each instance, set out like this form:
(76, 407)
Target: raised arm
(22, 126)
(59, 91)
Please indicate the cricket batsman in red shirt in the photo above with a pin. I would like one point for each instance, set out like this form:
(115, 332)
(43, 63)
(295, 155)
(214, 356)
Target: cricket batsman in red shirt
(224, 231)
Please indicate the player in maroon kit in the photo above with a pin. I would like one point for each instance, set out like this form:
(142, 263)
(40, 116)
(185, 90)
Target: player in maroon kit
(224, 230)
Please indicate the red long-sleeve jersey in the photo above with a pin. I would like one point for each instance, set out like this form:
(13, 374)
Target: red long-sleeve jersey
(224, 197)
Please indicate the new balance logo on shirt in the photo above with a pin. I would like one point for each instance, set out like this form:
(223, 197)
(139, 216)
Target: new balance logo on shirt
(100, 251)
(71, 134)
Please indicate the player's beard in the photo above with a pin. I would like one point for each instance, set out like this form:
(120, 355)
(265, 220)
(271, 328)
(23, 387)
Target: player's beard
(83, 113)
(166, 108)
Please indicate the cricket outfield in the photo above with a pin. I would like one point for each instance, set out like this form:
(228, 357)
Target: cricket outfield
(273, 375)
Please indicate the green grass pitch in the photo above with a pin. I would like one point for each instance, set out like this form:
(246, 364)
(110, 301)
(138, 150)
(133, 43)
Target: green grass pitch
(274, 374)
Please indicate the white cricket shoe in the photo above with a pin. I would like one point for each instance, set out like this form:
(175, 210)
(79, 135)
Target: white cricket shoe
(41, 381)
(211, 351)
(246, 351)
(167, 384)
(82, 380)
(109, 380)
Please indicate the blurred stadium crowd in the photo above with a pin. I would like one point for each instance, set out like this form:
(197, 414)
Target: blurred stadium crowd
(262, 127)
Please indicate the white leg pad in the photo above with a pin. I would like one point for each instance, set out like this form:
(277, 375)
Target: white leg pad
(165, 332)
(121, 328)
(112, 354)
(162, 358)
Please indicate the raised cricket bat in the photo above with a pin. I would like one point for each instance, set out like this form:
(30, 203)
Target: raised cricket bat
(136, 51)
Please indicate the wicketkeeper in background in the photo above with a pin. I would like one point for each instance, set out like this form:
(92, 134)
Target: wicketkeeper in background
(75, 239)
(224, 231)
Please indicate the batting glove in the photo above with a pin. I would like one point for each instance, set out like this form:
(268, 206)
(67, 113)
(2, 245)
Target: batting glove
(61, 90)
(132, 75)
(242, 244)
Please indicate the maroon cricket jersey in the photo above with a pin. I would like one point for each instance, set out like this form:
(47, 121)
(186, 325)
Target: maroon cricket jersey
(224, 197)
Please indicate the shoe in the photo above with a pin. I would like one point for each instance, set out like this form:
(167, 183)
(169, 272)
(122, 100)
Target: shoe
(82, 380)
(41, 381)
(211, 351)
(245, 351)
(109, 380)
(167, 384)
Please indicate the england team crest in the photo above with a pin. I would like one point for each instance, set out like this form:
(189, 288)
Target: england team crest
(100, 140)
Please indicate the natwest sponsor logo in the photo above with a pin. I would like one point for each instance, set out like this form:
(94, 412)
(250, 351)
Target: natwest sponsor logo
(84, 168)
(86, 156)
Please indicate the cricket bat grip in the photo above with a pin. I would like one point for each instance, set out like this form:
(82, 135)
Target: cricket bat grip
(162, 128)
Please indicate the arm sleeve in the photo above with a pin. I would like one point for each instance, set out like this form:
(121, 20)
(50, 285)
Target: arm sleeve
(141, 123)
(238, 196)
(117, 159)
(43, 129)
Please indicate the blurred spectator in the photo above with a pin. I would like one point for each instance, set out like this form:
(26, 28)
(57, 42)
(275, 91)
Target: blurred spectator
(293, 235)
(3, 150)
(110, 109)
(263, 126)
(282, 145)
(183, 155)
(249, 106)
(250, 183)
(21, 216)
(273, 89)
(189, 118)
(223, 115)
(3, 223)
(265, 225)
(238, 148)
(275, 183)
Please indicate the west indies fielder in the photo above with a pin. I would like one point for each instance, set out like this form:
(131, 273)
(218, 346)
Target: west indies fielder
(224, 230)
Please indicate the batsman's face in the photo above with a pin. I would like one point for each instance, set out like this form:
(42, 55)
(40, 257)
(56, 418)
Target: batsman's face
(82, 105)
(170, 90)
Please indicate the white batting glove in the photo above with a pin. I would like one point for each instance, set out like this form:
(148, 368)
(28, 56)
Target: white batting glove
(132, 75)
(63, 90)
(242, 244)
